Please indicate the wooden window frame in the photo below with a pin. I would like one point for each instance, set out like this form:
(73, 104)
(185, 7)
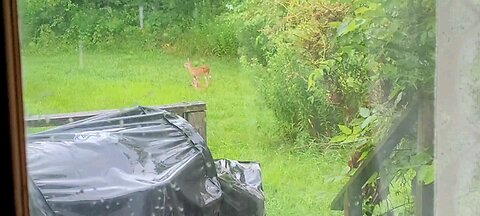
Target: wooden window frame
(12, 157)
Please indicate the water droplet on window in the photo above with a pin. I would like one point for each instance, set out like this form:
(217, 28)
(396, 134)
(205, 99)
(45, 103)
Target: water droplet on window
(107, 206)
(208, 164)
(121, 122)
(170, 208)
(180, 208)
(175, 186)
(157, 207)
(131, 199)
(94, 202)
(70, 120)
(159, 198)
(118, 203)
(102, 200)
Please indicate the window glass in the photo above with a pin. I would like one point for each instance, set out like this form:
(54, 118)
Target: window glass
(318, 107)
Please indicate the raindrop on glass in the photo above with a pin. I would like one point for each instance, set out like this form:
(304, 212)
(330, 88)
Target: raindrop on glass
(107, 206)
(175, 186)
(157, 207)
(121, 122)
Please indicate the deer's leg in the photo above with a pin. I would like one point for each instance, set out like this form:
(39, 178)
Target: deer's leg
(195, 81)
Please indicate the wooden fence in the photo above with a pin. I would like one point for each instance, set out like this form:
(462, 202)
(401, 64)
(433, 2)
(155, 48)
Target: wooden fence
(193, 112)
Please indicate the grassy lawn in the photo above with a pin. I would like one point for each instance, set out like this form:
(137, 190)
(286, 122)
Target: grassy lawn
(239, 125)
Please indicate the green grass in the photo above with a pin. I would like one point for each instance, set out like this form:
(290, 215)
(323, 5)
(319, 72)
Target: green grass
(239, 125)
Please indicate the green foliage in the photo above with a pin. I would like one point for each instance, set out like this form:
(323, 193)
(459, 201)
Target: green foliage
(216, 37)
(343, 70)
(286, 39)
(61, 24)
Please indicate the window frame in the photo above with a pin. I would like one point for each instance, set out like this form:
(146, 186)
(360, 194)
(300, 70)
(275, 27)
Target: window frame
(13, 157)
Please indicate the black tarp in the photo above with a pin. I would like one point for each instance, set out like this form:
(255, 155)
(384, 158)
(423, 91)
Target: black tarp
(141, 161)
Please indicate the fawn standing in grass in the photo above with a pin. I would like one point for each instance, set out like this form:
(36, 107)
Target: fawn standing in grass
(196, 72)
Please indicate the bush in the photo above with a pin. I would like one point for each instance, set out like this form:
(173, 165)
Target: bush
(216, 37)
(291, 41)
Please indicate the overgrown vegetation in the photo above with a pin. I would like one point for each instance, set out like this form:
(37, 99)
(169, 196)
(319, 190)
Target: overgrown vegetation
(334, 73)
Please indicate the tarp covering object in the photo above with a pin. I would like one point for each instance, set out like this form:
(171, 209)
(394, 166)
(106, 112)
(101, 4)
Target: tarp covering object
(141, 161)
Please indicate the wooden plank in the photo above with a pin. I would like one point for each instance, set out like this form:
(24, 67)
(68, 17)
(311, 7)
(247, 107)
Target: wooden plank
(381, 151)
(197, 119)
(425, 135)
(64, 118)
(353, 201)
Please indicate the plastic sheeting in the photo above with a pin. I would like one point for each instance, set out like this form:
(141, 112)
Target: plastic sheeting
(141, 161)
(241, 183)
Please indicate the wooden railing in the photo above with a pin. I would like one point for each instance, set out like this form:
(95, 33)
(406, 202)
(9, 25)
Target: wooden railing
(193, 112)
(419, 114)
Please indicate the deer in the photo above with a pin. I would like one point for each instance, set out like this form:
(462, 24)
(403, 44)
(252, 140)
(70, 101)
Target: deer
(196, 72)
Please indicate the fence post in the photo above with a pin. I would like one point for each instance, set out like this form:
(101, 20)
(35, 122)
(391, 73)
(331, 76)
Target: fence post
(140, 15)
(80, 54)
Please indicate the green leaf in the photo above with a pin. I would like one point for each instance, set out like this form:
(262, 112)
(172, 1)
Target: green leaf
(345, 129)
(356, 130)
(356, 122)
(334, 24)
(426, 174)
(367, 121)
(363, 155)
(362, 10)
(339, 138)
(421, 158)
(350, 139)
(364, 112)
